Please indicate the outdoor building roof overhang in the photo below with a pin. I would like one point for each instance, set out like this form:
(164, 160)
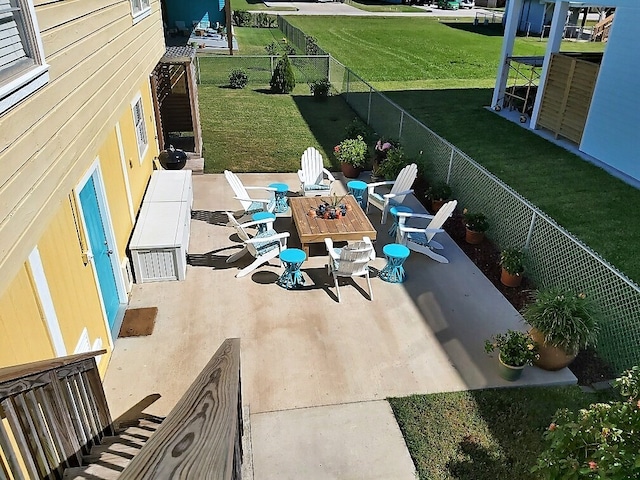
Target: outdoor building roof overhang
(600, 3)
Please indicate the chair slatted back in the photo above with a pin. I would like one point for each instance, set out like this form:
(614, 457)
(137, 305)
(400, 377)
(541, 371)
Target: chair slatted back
(439, 218)
(238, 188)
(404, 181)
(354, 259)
(311, 164)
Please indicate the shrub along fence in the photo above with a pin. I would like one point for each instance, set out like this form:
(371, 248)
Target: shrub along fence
(554, 256)
(215, 69)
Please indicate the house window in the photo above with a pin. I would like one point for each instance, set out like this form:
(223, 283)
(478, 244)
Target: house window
(22, 66)
(140, 9)
(141, 129)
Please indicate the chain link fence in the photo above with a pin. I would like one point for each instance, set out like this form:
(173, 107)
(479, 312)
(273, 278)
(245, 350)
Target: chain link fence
(554, 256)
(298, 38)
(215, 69)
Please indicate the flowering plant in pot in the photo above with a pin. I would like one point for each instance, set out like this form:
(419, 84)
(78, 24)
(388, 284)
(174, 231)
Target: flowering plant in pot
(476, 224)
(352, 153)
(438, 194)
(512, 263)
(516, 349)
(563, 322)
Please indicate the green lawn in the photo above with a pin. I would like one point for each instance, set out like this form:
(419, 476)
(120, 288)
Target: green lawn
(376, 6)
(252, 41)
(482, 435)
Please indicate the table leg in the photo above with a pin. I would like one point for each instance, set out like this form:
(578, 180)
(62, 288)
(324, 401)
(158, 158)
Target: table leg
(305, 249)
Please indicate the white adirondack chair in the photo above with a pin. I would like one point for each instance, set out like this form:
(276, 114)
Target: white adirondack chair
(350, 261)
(262, 246)
(420, 239)
(250, 205)
(314, 178)
(401, 187)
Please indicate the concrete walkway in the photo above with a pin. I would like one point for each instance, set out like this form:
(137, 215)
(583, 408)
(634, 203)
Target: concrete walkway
(338, 8)
(315, 372)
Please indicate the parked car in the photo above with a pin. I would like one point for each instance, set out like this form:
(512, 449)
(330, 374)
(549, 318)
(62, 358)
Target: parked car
(467, 3)
(448, 4)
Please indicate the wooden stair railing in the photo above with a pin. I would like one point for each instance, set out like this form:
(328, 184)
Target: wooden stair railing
(201, 436)
(602, 28)
(56, 411)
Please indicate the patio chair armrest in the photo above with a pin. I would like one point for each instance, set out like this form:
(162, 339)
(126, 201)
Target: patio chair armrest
(434, 230)
(301, 176)
(371, 186)
(416, 215)
(368, 241)
(259, 200)
(253, 223)
(269, 189)
(328, 242)
(404, 228)
(398, 194)
(277, 236)
(330, 177)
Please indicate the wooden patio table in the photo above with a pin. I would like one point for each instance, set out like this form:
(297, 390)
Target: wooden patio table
(353, 226)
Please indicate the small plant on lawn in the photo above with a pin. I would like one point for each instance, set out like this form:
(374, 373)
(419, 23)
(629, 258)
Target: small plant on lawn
(265, 21)
(242, 18)
(283, 80)
(598, 442)
(567, 319)
(320, 88)
(272, 48)
(356, 128)
(352, 151)
(238, 78)
(515, 348)
(392, 164)
(512, 260)
(476, 222)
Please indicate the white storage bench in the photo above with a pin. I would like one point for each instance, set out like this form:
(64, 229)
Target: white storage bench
(161, 236)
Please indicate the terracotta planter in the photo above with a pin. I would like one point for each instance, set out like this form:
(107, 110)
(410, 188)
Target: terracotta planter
(474, 237)
(551, 358)
(349, 170)
(508, 372)
(509, 280)
(437, 205)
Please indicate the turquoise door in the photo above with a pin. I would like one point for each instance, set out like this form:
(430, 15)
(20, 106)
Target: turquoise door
(101, 250)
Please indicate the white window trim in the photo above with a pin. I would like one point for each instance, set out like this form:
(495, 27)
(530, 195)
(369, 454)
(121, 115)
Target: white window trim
(12, 92)
(142, 14)
(143, 153)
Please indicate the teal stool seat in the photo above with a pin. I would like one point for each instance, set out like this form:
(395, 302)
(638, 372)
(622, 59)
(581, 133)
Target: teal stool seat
(281, 197)
(393, 271)
(394, 212)
(263, 227)
(359, 190)
(292, 259)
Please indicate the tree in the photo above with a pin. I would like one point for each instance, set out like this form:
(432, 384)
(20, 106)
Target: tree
(283, 80)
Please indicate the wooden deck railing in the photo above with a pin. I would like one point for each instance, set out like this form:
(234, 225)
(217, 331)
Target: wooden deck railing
(55, 410)
(201, 436)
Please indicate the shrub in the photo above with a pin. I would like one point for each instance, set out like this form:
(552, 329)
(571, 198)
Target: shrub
(238, 78)
(392, 164)
(265, 21)
(242, 18)
(320, 88)
(355, 128)
(289, 49)
(272, 48)
(601, 441)
(311, 45)
(283, 80)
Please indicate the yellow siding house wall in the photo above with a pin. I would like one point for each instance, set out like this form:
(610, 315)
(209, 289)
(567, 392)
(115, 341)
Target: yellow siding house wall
(99, 62)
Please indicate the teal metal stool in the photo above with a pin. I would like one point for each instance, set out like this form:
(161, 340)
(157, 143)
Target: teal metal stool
(263, 227)
(292, 259)
(281, 197)
(359, 190)
(394, 212)
(393, 271)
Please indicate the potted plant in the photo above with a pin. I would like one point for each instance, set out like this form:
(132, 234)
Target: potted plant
(352, 154)
(438, 194)
(516, 349)
(394, 161)
(512, 263)
(476, 224)
(563, 322)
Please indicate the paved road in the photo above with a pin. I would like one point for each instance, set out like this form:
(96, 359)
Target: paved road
(337, 8)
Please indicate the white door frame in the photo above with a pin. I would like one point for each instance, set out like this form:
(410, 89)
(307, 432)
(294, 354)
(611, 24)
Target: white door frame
(96, 172)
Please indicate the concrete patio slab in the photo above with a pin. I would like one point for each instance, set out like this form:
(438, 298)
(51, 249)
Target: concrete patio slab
(350, 441)
(302, 349)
